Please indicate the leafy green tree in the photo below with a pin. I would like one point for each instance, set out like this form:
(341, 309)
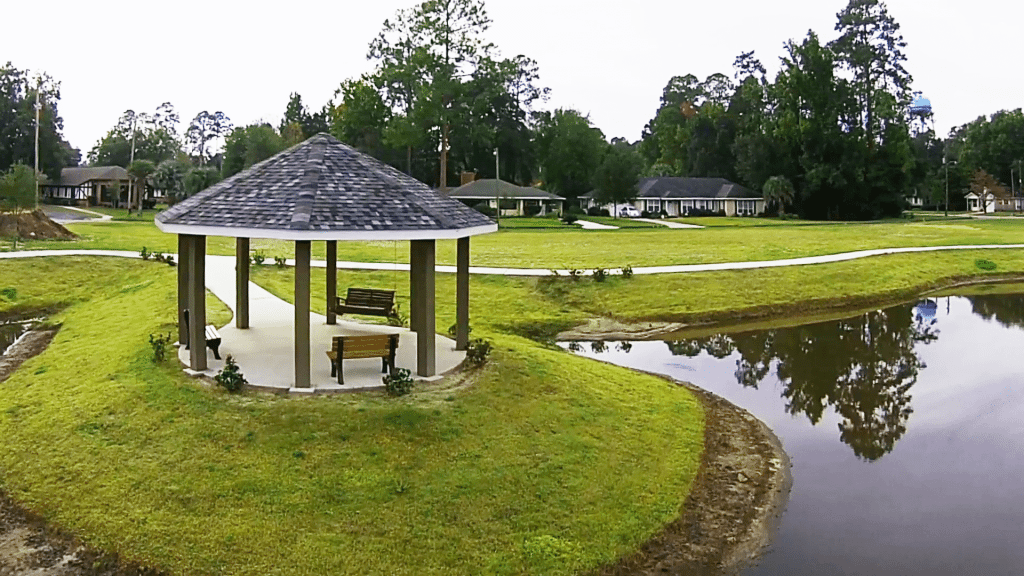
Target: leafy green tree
(18, 189)
(296, 114)
(423, 55)
(250, 145)
(204, 128)
(361, 117)
(169, 178)
(18, 117)
(615, 180)
(778, 191)
(569, 150)
(200, 178)
(154, 137)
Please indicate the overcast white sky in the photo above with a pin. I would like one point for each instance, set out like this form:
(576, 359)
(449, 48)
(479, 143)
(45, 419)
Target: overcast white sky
(244, 58)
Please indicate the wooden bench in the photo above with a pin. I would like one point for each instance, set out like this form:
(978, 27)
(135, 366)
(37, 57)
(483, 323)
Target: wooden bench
(369, 301)
(381, 346)
(212, 337)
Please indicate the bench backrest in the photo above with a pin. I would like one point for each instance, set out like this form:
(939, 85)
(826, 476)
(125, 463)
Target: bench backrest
(370, 298)
(376, 346)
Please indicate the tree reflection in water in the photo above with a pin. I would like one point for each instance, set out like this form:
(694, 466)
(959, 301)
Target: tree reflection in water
(861, 367)
(1007, 310)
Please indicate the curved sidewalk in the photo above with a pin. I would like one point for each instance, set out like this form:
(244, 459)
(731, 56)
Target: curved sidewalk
(494, 271)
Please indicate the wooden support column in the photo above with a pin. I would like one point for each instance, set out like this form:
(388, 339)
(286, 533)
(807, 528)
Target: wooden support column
(183, 266)
(332, 280)
(241, 283)
(197, 302)
(414, 310)
(462, 294)
(302, 250)
(422, 306)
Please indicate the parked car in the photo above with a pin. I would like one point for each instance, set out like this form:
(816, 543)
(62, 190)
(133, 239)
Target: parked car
(627, 211)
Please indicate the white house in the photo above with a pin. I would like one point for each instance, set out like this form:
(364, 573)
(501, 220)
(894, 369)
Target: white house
(681, 196)
(984, 203)
(516, 200)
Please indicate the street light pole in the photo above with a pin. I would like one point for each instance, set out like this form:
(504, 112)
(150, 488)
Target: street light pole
(497, 195)
(946, 165)
(38, 108)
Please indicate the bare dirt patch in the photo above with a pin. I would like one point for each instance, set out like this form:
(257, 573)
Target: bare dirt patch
(33, 225)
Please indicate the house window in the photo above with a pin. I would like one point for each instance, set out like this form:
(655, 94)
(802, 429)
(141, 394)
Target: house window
(653, 205)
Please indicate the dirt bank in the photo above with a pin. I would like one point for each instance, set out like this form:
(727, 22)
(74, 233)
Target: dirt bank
(769, 316)
(734, 506)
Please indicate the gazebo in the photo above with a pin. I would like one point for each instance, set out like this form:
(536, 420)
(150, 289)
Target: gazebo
(321, 190)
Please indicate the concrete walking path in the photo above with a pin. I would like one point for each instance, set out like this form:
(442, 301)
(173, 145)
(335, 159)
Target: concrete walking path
(668, 223)
(588, 225)
(496, 271)
(91, 217)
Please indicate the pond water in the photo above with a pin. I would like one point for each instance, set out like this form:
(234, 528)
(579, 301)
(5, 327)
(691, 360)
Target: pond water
(11, 331)
(905, 427)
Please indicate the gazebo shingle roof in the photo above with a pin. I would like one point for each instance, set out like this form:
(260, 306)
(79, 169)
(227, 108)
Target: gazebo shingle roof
(322, 189)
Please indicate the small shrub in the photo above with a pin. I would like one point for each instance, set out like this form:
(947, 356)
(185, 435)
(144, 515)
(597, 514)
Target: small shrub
(397, 318)
(159, 343)
(604, 212)
(594, 211)
(554, 272)
(569, 218)
(257, 257)
(663, 213)
(10, 293)
(144, 253)
(398, 383)
(645, 214)
(454, 328)
(485, 209)
(280, 261)
(477, 351)
(169, 259)
(158, 256)
(230, 377)
(627, 271)
(575, 273)
(575, 210)
(983, 264)
(600, 274)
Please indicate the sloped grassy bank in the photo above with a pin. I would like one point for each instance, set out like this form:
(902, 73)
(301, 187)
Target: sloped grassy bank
(538, 463)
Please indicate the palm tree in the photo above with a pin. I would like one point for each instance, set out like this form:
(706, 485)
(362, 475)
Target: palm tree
(139, 170)
(779, 189)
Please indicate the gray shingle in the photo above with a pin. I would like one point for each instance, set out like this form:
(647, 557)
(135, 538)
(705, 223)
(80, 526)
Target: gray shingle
(322, 185)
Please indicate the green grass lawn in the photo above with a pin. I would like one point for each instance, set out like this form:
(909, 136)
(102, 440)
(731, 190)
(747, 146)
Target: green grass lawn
(540, 464)
(728, 240)
(519, 222)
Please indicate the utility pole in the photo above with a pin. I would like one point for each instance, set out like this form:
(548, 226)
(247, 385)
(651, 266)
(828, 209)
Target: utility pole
(946, 165)
(131, 160)
(38, 107)
(497, 196)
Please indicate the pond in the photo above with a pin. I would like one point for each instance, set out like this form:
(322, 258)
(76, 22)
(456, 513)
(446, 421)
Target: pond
(905, 427)
(11, 331)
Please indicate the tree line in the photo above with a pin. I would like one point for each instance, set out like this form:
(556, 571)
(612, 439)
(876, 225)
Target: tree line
(828, 136)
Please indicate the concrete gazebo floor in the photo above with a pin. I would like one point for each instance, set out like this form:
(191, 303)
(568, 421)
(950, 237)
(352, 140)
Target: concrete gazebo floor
(265, 351)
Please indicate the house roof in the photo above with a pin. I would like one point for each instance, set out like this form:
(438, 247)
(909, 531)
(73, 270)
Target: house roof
(489, 188)
(80, 175)
(322, 189)
(675, 187)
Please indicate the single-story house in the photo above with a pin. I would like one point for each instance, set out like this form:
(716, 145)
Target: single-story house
(515, 200)
(681, 196)
(984, 203)
(87, 186)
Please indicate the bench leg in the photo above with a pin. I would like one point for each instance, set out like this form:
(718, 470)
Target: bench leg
(341, 372)
(215, 346)
(334, 368)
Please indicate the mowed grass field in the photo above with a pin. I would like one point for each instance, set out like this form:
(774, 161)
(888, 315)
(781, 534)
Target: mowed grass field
(538, 463)
(724, 240)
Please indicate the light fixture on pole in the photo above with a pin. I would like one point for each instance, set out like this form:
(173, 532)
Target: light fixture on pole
(946, 165)
(497, 196)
